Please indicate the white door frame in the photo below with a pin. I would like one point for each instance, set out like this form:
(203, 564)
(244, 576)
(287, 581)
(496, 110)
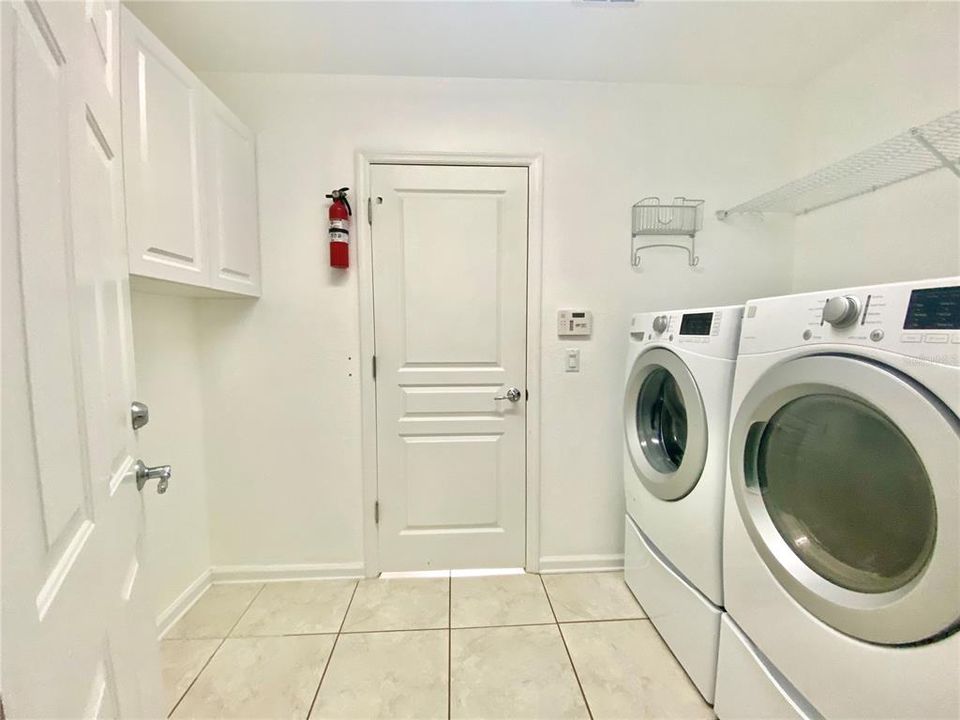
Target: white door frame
(368, 398)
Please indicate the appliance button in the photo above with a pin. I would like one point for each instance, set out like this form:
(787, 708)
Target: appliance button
(807, 334)
(936, 338)
(876, 335)
(911, 338)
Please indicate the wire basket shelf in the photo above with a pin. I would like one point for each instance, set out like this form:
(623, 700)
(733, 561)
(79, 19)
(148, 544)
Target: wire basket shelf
(682, 217)
(915, 152)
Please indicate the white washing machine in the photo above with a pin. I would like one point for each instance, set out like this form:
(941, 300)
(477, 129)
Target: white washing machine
(676, 409)
(842, 515)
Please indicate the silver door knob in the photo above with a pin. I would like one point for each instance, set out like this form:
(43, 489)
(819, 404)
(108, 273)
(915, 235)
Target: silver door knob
(160, 473)
(512, 394)
(139, 414)
(841, 311)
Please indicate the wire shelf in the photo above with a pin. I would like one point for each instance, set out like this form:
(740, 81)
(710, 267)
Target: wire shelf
(683, 217)
(915, 152)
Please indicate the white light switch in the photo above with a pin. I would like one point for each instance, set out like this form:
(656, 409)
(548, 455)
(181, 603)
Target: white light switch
(573, 360)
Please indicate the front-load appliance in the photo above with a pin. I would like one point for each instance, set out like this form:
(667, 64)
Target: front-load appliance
(675, 415)
(841, 540)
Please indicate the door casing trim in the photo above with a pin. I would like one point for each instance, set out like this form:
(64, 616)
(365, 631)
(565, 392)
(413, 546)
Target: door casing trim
(368, 402)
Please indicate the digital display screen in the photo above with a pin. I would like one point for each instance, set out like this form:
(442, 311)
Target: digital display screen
(579, 315)
(934, 309)
(696, 323)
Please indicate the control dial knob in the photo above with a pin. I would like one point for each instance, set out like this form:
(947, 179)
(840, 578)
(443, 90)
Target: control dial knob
(660, 323)
(841, 311)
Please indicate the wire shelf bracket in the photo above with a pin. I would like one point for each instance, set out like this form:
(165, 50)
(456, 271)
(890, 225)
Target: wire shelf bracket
(919, 150)
(692, 258)
(682, 218)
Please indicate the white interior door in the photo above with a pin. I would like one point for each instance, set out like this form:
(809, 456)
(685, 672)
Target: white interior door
(450, 279)
(79, 638)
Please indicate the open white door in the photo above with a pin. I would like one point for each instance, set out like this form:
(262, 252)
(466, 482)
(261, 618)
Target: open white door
(450, 298)
(79, 639)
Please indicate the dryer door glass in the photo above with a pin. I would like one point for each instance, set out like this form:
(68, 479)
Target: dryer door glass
(847, 492)
(662, 421)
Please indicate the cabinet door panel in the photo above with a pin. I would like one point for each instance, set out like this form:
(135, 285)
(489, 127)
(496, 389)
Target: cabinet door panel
(161, 104)
(231, 201)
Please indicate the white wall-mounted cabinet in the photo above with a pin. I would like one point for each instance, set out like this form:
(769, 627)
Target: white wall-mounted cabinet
(190, 173)
(230, 191)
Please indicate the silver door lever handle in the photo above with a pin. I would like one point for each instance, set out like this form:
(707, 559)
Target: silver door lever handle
(512, 394)
(160, 473)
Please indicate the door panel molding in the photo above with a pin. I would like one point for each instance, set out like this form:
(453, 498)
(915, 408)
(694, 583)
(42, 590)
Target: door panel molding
(364, 159)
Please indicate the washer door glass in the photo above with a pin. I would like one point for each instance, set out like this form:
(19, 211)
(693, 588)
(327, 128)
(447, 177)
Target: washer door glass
(847, 492)
(665, 424)
(662, 421)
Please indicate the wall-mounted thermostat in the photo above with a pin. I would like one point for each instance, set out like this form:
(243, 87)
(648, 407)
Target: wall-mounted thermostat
(574, 322)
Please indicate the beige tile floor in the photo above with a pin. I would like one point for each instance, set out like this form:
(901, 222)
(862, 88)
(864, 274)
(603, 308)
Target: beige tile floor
(507, 646)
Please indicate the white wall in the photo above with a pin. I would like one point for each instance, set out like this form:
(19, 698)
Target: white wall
(269, 389)
(281, 375)
(167, 348)
(906, 76)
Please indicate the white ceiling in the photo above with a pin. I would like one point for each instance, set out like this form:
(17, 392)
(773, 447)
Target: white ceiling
(747, 43)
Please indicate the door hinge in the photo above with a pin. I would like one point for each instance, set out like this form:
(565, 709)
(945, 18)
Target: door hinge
(374, 364)
(376, 512)
(370, 211)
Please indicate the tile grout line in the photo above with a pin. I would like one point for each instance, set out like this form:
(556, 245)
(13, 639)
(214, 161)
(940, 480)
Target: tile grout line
(506, 625)
(222, 641)
(349, 632)
(423, 629)
(326, 665)
(603, 620)
(564, 641)
(449, 646)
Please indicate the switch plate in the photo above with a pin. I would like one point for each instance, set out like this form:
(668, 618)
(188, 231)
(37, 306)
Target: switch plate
(575, 323)
(572, 360)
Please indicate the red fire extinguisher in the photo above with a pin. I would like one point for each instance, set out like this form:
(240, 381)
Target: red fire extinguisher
(340, 213)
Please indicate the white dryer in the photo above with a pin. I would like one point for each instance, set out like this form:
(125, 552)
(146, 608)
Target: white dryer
(675, 414)
(842, 515)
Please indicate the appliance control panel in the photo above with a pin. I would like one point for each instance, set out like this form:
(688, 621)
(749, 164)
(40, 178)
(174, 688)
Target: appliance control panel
(577, 323)
(902, 317)
(709, 331)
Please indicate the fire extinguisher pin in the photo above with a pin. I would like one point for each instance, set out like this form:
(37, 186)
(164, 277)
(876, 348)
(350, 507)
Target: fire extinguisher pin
(341, 195)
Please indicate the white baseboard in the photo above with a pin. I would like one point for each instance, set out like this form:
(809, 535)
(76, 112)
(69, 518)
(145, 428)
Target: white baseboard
(184, 602)
(580, 563)
(278, 573)
(220, 574)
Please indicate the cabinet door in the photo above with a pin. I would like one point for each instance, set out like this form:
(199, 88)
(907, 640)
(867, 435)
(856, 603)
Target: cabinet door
(230, 186)
(161, 113)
